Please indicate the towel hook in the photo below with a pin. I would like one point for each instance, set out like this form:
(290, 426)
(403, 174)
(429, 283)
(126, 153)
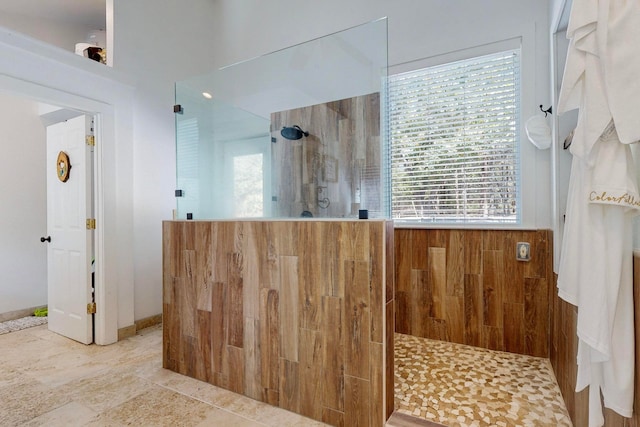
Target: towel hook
(547, 111)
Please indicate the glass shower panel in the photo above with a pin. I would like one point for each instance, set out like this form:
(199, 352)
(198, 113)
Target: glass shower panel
(297, 132)
(212, 140)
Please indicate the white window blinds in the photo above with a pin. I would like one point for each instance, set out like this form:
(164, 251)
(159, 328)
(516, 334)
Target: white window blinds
(455, 141)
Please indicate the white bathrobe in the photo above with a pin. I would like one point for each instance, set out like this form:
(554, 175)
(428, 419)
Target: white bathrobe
(602, 80)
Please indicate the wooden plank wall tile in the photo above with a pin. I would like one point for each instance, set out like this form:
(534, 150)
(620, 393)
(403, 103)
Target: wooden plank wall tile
(466, 286)
(290, 308)
(473, 251)
(203, 370)
(389, 264)
(437, 280)
(473, 317)
(377, 378)
(252, 358)
(377, 301)
(455, 263)
(331, 417)
(270, 344)
(257, 308)
(564, 351)
(454, 318)
(311, 356)
(357, 408)
(536, 307)
(357, 318)
(289, 385)
(189, 292)
(390, 360)
(403, 255)
(333, 354)
(219, 326)
(514, 334)
(235, 374)
(235, 299)
(311, 280)
(493, 285)
(420, 290)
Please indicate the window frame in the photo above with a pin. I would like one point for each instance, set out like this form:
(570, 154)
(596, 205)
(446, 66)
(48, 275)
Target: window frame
(531, 187)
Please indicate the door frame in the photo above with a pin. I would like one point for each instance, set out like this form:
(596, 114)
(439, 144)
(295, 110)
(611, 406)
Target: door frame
(44, 73)
(103, 116)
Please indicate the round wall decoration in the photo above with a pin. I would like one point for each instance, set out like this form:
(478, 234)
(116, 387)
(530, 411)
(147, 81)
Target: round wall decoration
(63, 166)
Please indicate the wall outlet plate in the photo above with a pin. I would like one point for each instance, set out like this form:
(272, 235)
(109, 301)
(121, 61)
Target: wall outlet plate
(523, 251)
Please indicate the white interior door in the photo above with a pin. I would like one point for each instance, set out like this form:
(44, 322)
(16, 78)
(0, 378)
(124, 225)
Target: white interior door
(70, 248)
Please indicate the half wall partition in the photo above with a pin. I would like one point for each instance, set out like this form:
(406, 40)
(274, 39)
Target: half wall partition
(276, 285)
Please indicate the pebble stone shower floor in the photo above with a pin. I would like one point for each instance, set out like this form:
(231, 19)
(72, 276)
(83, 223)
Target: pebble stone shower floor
(459, 385)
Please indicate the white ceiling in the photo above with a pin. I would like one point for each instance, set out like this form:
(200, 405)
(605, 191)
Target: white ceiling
(77, 12)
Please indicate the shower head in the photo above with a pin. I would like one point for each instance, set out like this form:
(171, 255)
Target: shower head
(293, 132)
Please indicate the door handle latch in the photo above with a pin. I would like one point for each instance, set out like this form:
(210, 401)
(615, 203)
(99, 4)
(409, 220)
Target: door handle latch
(45, 239)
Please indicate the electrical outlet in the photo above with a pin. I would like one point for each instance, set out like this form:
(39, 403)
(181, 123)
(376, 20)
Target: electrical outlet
(523, 251)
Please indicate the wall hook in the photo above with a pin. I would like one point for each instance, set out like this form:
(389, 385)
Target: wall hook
(547, 111)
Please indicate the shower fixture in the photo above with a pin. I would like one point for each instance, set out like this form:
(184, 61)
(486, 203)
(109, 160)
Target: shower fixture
(293, 132)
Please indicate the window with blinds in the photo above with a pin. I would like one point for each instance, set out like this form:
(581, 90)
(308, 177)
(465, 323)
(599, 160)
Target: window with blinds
(455, 141)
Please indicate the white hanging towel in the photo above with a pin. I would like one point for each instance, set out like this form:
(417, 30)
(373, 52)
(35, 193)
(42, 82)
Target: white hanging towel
(596, 257)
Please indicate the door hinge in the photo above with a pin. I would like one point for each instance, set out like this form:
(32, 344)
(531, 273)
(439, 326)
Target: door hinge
(91, 224)
(91, 308)
(91, 140)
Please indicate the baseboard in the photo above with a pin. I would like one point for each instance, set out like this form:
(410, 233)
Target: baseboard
(126, 332)
(129, 331)
(147, 322)
(18, 314)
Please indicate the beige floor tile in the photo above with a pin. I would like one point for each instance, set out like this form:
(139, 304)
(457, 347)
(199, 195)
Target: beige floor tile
(20, 348)
(27, 400)
(106, 390)
(10, 376)
(220, 417)
(159, 407)
(72, 414)
(61, 368)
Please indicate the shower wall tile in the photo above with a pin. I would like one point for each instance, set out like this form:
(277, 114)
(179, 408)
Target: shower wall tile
(514, 329)
(340, 159)
(564, 349)
(297, 314)
(466, 286)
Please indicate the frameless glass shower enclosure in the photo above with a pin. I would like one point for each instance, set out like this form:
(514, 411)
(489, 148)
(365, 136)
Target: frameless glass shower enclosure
(300, 132)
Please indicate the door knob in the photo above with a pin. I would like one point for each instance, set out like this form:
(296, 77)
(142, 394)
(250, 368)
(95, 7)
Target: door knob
(45, 239)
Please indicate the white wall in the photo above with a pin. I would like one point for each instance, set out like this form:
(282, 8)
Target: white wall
(62, 36)
(23, 258)
(157, 44)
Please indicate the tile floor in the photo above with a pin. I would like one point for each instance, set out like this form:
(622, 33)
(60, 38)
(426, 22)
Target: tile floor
(458, 385)
(46, 379)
